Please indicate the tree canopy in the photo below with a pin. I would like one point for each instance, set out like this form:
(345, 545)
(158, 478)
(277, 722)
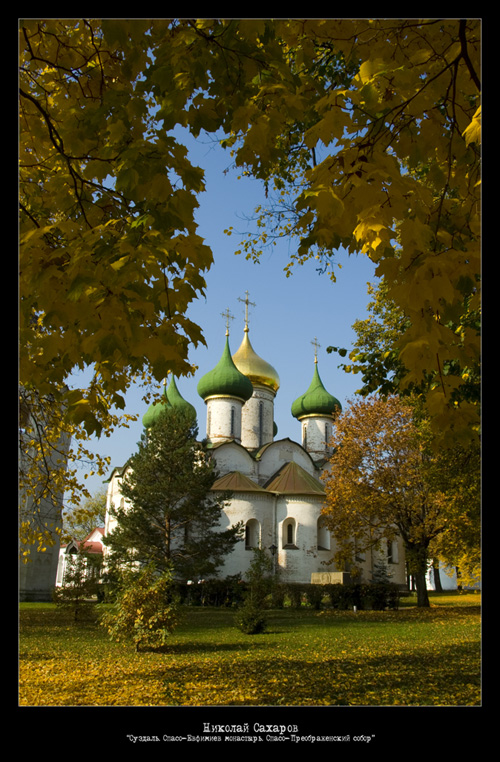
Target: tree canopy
(384, 480)
(387, 165)
(367, 129)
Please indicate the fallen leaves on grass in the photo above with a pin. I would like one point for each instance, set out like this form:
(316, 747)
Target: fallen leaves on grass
(406, 658)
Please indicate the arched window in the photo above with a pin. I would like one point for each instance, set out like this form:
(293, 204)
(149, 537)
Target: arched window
(232, 420)
(252, 534)
(323, 535)
(288, 537)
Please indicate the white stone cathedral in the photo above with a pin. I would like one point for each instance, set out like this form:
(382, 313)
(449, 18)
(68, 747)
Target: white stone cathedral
(276, 486)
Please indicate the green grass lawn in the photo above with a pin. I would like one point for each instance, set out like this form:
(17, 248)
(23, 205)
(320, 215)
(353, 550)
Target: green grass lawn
(409, 657)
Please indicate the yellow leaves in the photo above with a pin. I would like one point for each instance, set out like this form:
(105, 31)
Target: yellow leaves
(414, 234)
(161, 187)
(326, 202)
(370, 69)
(422, 56)
(371, 234)
(472, 133)
(408, 656)
(334, 119)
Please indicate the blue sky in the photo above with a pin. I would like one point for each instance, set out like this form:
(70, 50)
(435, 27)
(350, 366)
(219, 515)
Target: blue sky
(289, 313)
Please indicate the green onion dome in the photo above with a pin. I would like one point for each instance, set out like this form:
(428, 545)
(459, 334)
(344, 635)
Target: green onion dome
(171, 399)
(155, 410)
(177, 402)
(225, 380)
(316, 401)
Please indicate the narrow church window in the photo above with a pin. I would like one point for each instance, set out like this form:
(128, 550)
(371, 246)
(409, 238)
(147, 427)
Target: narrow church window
(304, 436)
(232, 420)
(323, 535)
(261, 423)
(288, 534)
(252, 534)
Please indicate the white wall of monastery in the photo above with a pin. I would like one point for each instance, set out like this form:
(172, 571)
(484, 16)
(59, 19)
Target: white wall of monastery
(257, 419)
(280, 452)
(223, 419)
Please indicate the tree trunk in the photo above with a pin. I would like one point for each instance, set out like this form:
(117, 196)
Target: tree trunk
(417, 564)
(422, 593)
(437, 576)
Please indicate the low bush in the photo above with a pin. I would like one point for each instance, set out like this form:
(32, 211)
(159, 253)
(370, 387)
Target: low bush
(145, 612)
(250, 619)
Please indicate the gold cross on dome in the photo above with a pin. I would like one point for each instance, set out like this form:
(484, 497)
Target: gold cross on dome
(228, 317)
(316, 347)
(246, 302)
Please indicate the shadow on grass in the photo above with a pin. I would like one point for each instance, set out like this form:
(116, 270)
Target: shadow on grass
(446, 676)
(199, 647)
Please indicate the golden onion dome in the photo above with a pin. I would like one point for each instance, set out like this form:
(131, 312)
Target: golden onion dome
(260, 372)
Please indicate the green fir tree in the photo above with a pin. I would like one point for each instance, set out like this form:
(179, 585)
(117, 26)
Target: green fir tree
(171, 518)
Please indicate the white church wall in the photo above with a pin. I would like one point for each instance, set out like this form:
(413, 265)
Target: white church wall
(114, 499)
(316, 433)
(223, 419)
(447, 576)
(298, 560)
(258, 510)
(280, 452)
(233, 457)
(257, 419)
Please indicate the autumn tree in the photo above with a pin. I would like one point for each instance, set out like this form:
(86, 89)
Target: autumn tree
(367, 130)
(376, 357)
(171, 518)
(457, 472)
(387, 165)
(381, 483)
(81, 521)
(109, 254)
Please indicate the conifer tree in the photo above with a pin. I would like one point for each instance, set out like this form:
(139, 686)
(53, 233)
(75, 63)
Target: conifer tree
(80, 585)
(170, 517)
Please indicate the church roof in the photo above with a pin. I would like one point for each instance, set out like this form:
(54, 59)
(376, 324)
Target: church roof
(292, 479)
(260, 372)
(225, 379)
(235, 481)
(316, 401)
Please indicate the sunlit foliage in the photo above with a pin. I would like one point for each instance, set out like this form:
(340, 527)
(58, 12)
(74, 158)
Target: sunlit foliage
(369, 129)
